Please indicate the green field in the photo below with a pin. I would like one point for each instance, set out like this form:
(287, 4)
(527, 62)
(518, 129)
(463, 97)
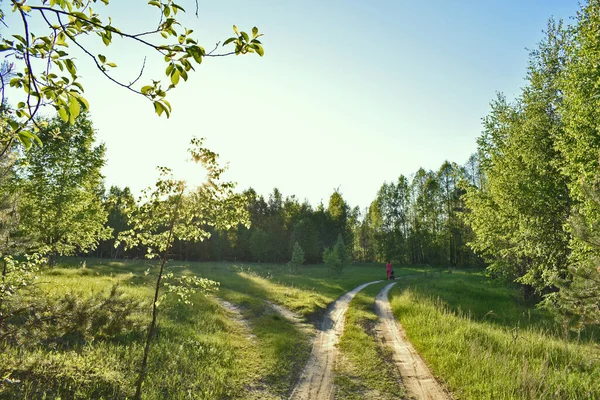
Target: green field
(485, 344)
(476, 336)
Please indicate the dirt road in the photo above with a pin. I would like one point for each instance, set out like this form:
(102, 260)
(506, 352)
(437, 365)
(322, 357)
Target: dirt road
(316, 381)
(416, 377)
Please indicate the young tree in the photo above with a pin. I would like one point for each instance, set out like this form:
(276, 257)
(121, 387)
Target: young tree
(297, 257)
(60, 189)
(172, 211)
(337, 257)
(45, 68)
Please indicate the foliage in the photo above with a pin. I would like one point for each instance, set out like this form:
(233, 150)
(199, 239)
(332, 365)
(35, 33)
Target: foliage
(116, 202)
(577, 301)
(297, 256)
(71, 319)
(519, 217)
(44, 67)
(337, 257)
(17, 277)
(169, 212)
(60, 187)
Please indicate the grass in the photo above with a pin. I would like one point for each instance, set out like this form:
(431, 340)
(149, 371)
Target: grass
(474, 333)
(200, 352)
(365, 370)
(487, 345)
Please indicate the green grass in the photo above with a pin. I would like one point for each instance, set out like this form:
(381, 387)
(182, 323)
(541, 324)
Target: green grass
(365, 370)
(200, 352)
(474, 333)
(485, 344)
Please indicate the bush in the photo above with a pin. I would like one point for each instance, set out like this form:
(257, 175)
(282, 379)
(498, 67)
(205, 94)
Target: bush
(70, 319)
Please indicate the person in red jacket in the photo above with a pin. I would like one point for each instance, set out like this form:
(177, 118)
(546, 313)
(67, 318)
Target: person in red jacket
(388, 269)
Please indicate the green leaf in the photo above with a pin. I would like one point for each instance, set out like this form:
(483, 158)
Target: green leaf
(175, 77)
(70, 66)
(158, 108)
(102, 58)
(62, 112)
(245, 36)
(74, 107)
(254, 32)
(146, 89)
(235, 29)
(84, 103)
(259, 49)
(28, 137)
(105, 39)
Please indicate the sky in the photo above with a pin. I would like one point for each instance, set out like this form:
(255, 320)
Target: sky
(348, 95)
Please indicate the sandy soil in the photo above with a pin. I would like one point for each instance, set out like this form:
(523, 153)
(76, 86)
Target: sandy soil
(416, 377)
(238, 317)
(316, 381)
(294, 318)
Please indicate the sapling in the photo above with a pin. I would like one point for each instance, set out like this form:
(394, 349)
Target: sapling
(173, 210)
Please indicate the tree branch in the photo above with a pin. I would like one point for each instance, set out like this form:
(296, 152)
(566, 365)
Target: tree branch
(93, 57)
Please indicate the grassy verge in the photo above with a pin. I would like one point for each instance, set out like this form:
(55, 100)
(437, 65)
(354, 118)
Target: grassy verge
(486, 345)
(365, 370)
(199, 352)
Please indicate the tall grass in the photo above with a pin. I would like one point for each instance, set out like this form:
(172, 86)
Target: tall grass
(485, 344)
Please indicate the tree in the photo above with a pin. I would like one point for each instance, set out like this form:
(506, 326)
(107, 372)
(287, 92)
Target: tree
(336, 257)
(306, 235)
(339, 211)
(117, 202)
(577, 301)
(297, 257)
(172, 211)
(45, 68)
(61, 186)
(519, 215)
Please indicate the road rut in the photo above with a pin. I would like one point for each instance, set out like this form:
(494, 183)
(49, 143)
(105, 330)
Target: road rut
(416, 377)
(316, 381)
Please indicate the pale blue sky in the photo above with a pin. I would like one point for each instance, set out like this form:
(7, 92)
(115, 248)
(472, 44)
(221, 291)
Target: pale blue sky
(349, 94)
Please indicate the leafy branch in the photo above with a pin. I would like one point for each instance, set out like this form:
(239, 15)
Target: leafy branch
(66, 20)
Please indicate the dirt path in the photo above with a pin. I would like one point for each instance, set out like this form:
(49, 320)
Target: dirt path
(294, 318)
(238, 317)
(316, 381)
(416, 377)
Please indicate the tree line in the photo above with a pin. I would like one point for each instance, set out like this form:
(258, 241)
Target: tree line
(55, 194)
(412, 222)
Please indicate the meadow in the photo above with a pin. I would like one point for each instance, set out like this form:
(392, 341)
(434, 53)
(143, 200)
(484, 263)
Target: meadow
(485, 343)
(476, 335)
(200, 351)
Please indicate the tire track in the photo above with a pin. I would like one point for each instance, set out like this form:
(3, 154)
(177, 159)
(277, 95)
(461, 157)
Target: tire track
(316, 381)
(416, 377)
